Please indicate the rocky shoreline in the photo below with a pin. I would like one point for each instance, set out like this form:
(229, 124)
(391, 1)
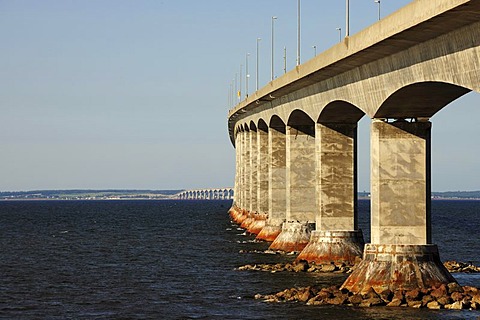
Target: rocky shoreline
(304, 266)
(451, 296)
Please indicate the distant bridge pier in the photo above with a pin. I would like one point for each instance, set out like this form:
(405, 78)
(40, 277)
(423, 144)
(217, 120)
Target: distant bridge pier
(400, 254)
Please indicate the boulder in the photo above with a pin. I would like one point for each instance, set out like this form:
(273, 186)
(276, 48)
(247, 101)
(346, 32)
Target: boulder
(434, 305)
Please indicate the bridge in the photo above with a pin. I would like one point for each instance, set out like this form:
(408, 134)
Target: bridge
(296, 148)
(206, 194)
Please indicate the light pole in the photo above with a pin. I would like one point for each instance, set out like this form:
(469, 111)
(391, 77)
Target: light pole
(378, 2)
(247, 75)
(273, 46)
(314, 51)
(284, 59)
(298, 34)
(256, 73)
(340, 34)
(347, 19)
(240, 80)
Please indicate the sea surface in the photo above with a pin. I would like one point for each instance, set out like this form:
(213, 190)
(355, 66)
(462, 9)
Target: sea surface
(176, 260)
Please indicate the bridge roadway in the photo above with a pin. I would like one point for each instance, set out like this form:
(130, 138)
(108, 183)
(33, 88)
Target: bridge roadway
(295, 142)
(206, 194)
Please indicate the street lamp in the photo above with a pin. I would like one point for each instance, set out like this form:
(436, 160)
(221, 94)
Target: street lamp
(256, 73)
(314, 51)
(340, 34)
(284, 59)
(298, 34)
(247, 75)
(273, 37)
(347, 19)
(378, 2)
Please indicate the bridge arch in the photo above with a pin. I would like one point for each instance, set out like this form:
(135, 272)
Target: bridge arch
(340, 112)
(419, 100)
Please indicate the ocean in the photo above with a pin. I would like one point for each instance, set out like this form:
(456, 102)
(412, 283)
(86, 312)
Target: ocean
(177, 260)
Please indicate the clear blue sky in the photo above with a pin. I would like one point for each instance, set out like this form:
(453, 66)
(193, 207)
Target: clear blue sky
(134, 94)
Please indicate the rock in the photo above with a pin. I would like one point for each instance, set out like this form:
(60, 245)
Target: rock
(385, 294)
(394, 303)
(444, 300)
(375, 301)
(426, 299)
(414, 303)
(337, 300)
(412, 294)
(476, 298)
(457, 305)
(355, 299)
(457, 296)
(300, 266)
(434, 305)
(439, 292)
(454, 287)
(328, 268)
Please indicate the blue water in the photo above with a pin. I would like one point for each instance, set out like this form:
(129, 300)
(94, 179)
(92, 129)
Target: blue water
(175, 260)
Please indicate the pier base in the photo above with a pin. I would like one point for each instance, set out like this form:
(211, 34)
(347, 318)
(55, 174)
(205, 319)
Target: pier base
(270, 232)
(293, 238)
(333, 246)
(394, 267)
(249, 219)
(257, 225)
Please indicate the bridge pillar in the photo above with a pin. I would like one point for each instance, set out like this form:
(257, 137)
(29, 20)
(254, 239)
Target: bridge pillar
(300, 179)
(401, 255)
(335, 238)
(277, 203)
(261, 190)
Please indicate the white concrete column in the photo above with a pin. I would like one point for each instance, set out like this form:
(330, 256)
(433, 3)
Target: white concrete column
(400, 182)
(253, 171)
(277, 162)
(301, 197)
(262, 172)
(336, 177)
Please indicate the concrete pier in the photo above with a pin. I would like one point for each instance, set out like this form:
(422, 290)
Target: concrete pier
(277, 163)
(300, 184)
(401, 255)
(336, 238)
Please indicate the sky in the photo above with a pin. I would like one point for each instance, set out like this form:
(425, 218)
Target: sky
(117, 94)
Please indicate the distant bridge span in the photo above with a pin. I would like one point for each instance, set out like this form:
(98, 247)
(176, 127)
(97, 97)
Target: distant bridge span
(296, 144)
(206, 194)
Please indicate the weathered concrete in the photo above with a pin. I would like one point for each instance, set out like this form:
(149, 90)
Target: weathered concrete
(301, 200)
(293, 238)
(336, 177)
(386, 266)
(300, 177)
(253, 204)
(257, 225)
(263, 169)
(247, 170)
(333, 246)
(400, 182)
(277, 205)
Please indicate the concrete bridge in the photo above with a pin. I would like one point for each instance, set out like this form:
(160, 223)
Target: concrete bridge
(295, 141)
(206, 194)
